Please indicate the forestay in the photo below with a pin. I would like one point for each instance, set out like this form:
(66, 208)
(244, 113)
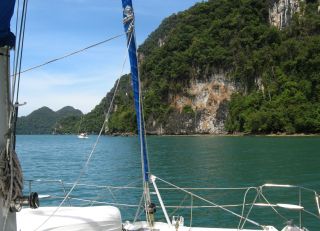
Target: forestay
(128, 19)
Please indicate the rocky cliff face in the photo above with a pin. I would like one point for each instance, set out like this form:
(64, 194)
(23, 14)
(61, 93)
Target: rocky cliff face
(281, 11)
(201, 110)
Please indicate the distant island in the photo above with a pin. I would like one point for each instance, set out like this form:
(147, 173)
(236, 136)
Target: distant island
(44, 120)
(220, 67)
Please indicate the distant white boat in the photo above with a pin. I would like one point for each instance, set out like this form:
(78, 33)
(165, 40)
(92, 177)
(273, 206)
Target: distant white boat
(83, 136)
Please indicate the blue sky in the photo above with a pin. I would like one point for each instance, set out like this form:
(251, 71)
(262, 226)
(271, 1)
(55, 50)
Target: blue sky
(57, 27)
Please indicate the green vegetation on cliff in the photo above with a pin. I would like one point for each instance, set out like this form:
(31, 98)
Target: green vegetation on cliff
(287, 67)
(277, 73)
(122, 118)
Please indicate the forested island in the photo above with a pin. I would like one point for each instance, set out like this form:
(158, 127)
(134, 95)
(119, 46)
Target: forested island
(46, 121)
(221, 67)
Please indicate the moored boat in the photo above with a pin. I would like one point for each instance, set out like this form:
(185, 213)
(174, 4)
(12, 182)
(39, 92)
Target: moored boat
(83, 136)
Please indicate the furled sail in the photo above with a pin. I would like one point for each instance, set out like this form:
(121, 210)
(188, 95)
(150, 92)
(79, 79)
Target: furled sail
(128, 20)
(6, 11)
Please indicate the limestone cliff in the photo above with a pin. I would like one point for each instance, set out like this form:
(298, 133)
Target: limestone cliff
(281, 11)
(202, 109)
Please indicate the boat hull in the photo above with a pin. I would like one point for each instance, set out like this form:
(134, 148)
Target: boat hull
(82, 137)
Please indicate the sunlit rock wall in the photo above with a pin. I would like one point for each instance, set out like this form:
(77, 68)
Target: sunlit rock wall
(281, 11)
(201, 110)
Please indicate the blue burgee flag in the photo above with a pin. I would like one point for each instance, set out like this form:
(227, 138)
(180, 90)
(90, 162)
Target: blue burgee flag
(6, 11)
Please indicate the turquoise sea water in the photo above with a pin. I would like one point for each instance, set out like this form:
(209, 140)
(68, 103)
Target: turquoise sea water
(186, 162)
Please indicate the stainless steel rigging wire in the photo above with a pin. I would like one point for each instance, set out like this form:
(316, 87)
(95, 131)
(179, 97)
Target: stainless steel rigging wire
(71, 53)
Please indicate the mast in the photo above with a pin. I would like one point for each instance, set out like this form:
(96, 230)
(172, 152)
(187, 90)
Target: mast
(129, 26)
(7, 40)
(6, 217)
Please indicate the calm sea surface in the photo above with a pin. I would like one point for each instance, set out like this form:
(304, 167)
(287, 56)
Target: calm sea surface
(186, 162)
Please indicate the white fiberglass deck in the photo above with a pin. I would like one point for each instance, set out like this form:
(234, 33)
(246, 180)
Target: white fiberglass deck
(70, 219)
(160, 226)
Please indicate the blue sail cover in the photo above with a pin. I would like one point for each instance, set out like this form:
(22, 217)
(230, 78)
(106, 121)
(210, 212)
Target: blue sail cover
(128, 17)
(6, 12)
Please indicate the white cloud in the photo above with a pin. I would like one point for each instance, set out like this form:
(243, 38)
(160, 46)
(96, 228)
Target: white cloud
(59, 90)
(84, 102)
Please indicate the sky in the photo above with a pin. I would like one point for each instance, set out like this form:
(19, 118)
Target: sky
(55, 28)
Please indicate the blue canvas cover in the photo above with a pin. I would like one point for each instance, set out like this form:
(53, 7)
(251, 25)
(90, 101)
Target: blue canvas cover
(128, 17)
(6, 11)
